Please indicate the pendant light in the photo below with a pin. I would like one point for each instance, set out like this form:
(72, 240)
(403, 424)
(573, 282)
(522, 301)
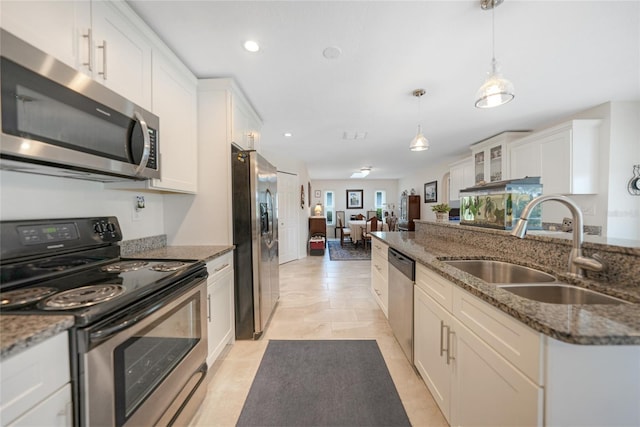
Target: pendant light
(496, 90)
(419, 143)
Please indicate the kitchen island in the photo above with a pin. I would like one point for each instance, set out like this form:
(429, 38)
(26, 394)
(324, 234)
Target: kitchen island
(611, 324)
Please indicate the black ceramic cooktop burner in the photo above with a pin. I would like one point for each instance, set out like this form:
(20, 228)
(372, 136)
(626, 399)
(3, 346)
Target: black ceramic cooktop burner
(25, 296)
(82, 297)
(124, 266)
(169, 266)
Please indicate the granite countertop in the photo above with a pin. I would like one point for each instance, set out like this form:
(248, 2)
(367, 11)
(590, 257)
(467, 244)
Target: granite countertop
(201, 253)
(597, 324)
(19, 332)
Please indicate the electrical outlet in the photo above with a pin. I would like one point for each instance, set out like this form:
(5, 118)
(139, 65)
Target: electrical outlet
(567, 224)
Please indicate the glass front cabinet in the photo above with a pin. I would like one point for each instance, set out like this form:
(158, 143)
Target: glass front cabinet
(490, 157)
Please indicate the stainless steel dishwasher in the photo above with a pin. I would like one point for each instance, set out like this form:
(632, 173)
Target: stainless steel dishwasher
(402, 274)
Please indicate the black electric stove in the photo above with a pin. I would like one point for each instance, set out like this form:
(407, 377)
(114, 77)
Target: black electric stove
(73, 266)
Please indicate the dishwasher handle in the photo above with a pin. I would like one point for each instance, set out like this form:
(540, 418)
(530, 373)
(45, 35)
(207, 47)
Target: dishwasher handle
(402, 263)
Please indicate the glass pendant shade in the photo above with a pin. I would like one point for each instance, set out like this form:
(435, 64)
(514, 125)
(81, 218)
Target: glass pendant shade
(419, 143)
(496, 90)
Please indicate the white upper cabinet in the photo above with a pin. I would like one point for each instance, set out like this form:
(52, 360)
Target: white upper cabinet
(98, 38)
(461, 175)
(175, 101)
(247, 125)
(121, 54)
(59, 28)
(564, 156)
(490, 157)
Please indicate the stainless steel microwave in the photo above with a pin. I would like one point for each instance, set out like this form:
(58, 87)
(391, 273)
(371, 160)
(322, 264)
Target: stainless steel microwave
(58, 121)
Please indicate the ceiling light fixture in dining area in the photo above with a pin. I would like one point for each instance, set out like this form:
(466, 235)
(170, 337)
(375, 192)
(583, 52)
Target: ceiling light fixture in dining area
(419, 142)
(496, 90)
(362, 174)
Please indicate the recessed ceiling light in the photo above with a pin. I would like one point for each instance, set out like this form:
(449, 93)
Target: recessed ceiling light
(288, 134)
(251, 46)
(332, 52)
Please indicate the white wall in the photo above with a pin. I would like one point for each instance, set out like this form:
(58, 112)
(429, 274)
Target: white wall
(623, 211)
(418, 179)
(28, 196)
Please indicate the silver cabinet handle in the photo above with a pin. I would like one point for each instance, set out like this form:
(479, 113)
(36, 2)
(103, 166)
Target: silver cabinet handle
(103, 73)
(89, 37)
(441, 337)
(449, 356)
(222, 267)
(209, 307)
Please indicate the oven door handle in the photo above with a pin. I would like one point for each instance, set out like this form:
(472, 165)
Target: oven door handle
(103, 334)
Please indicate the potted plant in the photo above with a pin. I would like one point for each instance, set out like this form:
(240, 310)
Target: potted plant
(442, 212)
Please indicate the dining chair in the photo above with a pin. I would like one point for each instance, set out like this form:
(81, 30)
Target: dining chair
(344, 231)
(340, 222)
(370, 226)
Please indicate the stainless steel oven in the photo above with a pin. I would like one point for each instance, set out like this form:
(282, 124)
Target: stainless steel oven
(138, 346)
(142, 368)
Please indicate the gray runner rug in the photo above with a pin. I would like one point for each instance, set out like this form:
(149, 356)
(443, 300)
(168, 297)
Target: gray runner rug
(323, 383)
(348, 252)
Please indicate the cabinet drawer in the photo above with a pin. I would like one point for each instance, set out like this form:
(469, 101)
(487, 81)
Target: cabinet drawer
(380, 249)
(381, 265)
(220, 265)
(514, 341)
(436, 286)
(33, 375)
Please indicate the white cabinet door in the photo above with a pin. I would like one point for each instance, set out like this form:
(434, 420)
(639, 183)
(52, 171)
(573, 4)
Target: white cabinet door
(175, 102)
(55, 410)
(525, 159)
(461, 175)
(380, 281)
(55, 27)
(220, 303)
(246, 125)
(122, 54)
(429, 345)
(488, 390)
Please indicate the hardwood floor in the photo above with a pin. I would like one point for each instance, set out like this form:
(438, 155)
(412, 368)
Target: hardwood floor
(319, 299)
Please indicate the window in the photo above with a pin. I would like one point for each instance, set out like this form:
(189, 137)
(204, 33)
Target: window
(380, 198)
(329, 208)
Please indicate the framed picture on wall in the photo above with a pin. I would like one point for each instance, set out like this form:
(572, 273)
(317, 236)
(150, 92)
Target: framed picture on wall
(354, 199)
(431, 192)
(317, 194)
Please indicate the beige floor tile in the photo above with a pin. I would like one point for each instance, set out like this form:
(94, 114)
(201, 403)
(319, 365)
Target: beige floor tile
(319, 299)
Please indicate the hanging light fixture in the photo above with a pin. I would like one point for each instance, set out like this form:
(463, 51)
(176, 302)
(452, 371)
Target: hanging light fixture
(419, 143)
(496, 90)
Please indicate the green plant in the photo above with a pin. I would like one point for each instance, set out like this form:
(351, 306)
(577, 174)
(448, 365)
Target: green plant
(441, 207)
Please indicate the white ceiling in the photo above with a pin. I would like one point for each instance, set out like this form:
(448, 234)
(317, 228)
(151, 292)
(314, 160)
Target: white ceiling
(562, 56)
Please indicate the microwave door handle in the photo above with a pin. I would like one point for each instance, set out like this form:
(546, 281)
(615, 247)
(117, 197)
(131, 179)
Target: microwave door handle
(147, 142)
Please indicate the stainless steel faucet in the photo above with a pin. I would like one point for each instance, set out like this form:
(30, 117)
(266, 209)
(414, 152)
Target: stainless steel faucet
(577, 262)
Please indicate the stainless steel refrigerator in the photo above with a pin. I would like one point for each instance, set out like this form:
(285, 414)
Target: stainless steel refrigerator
(255, 236)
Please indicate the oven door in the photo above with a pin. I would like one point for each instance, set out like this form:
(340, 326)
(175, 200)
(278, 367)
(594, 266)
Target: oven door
(147, 366)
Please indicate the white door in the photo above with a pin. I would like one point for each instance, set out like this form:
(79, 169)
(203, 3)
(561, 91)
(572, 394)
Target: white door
(287, 217)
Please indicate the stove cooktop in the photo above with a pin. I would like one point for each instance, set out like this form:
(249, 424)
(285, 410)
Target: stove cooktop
(93, 293)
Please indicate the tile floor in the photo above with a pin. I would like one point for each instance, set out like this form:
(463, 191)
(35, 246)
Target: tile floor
(319, 299)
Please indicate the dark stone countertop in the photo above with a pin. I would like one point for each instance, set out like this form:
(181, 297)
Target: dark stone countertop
(20, 332)
(597, 324)
(201, 253)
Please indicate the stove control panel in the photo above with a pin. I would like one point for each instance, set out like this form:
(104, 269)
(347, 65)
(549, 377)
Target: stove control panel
(32, 237)
(108, 230)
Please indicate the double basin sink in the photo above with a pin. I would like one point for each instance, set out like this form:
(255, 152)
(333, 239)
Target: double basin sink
(530, 283)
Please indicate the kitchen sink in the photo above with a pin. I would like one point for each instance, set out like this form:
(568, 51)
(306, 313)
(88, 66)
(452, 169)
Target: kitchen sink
(501, 272)
(561, 294)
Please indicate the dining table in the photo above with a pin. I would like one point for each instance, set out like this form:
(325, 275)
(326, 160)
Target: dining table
(356, 227)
